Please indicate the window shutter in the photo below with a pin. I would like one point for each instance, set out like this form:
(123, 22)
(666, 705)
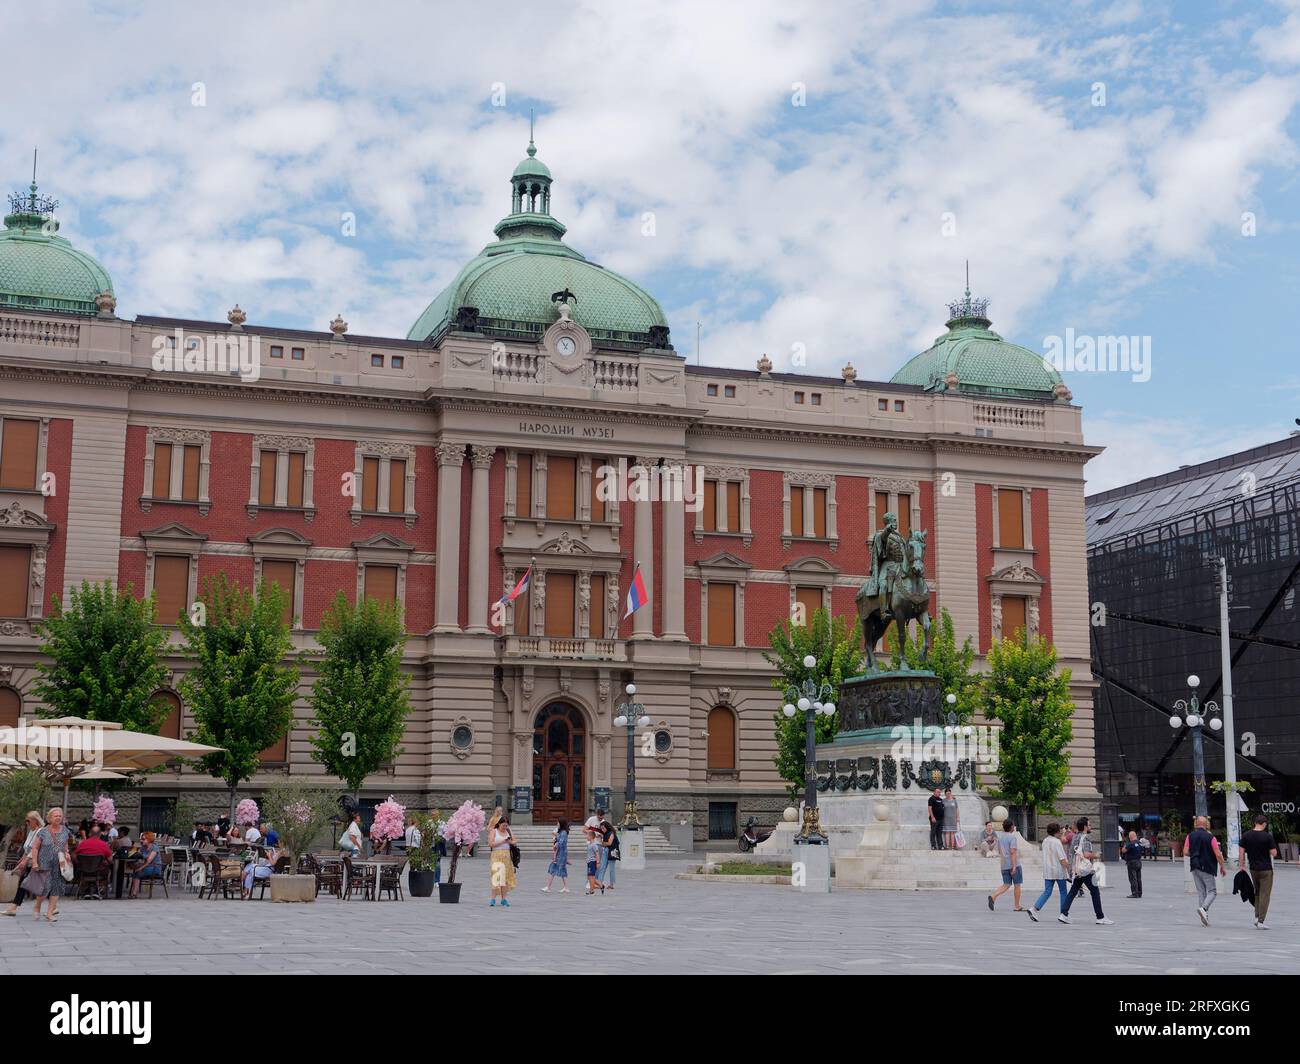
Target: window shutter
(819, 513)
(733, 506)
(559, 604)
(796, 511)
(18, 448)
(561, 482)
(278, 752)
(1011, 518)
(1013, 616)
(722, 739)
(524, 486)
(266, 478)
(710, 506)
(370, 484)
(283, 573)
(297, 478)
(882, 508)
(171, 587)
(905, 515)
(15, 576)
(397, 486)
(722, 615)
(171, 725)
(523, 613)
(190, 477)
(810, 598)
(11, 707)
(162, 471)
(381, 583)
(597, 612)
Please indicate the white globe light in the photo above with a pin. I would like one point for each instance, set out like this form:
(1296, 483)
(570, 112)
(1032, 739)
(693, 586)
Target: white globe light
(830, 708)
(952, 700)
(1175, 722)
(1193, 720)
(817, 706)
(630, 689)
(948, 729)
(803, 704)
(620, 721)
(1216, 724)
(967, 730)
(643, 722)
(1193, 680)
(788, 710)
(809, 661)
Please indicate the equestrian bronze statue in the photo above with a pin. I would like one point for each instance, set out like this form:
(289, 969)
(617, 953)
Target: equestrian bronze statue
(895, 591)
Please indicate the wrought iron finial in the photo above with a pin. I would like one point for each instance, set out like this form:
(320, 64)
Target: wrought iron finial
(532, 148)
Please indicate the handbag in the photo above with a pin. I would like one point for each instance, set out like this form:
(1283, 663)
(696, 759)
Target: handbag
(959, 839)
(9, 886)
(1099, 874)
(65, 867)
(37, 883)
(515, 855)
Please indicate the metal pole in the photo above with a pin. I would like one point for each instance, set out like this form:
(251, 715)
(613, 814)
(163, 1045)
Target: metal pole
(629, 784)
(1229, 735)
(810, 760)
(1198, 769)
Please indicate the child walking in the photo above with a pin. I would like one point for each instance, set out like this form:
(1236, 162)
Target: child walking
(593, 862)
(559, 867)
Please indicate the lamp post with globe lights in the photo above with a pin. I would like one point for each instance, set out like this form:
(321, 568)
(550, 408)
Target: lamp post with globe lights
(631, 715)
(813, 700)
(1190, 712)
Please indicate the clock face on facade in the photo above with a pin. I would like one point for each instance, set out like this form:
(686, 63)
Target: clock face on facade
(565, 346)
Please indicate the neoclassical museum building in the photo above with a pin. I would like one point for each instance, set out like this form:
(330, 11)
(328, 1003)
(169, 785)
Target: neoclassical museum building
(138, 451)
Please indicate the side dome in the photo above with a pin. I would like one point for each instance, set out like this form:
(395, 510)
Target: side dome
(511, 287)
(40, 270)
(971, 358)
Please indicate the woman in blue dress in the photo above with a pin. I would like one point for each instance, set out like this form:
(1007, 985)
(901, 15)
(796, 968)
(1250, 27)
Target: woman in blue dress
(559, 867)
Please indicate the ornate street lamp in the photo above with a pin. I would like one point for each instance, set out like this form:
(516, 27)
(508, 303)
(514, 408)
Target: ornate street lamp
(812, 700)
(1193, 714)
(632, 716)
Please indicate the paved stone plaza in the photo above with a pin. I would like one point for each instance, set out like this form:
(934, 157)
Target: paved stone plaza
(655, 923)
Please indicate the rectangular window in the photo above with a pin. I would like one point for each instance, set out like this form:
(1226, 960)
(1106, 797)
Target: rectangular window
(796, 511)
(267, 462)
(18, 450)
(1011, 518)
(524, 488)
(733, 506)
(162, 470)
(559, 605)
(377, 360)
(816, 398)
(597, 605)
(171, 587)
(905, 515)
(1013, 616)
(399, 362)
(710, 506)
(277, 753)
(15, 575)
(729, 392)
(722, 615)
(297, 478)
(370, 484)
(397, 486)
(819, 513)
(277, 351)
(297, 354)
(712, 389)
(283, 573)
(561, 487)
(882, 404)
(798, 397)
(523, 613)
(810, 598)
(190, 474)
(899, 406)
(882, 508)
(381, 583)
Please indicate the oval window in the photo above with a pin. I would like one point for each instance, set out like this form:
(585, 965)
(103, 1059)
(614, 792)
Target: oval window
(462, 737)
(663, 741)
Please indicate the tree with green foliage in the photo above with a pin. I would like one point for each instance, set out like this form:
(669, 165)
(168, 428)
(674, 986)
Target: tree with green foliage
(950, 662)
(360, 696)
(103, 658)
(837, 646)
(1030, 696)
(21, 791)
(298, 812)
(239, 688)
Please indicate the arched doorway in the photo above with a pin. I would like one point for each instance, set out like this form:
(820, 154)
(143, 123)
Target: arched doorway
(559, 763)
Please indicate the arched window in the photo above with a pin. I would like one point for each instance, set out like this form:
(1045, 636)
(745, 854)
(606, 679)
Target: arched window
(11, 707)
(722, 740)
(171, 725)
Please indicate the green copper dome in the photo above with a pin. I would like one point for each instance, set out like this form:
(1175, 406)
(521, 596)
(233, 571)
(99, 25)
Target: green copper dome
(971, 358)
(512, 284)
(40, 270)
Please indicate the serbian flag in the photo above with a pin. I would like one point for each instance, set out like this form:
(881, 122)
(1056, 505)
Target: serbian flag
(520, 587)
(636, 594)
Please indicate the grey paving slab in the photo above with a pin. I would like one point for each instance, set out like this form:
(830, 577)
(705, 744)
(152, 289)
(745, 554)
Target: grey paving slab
(655, 923)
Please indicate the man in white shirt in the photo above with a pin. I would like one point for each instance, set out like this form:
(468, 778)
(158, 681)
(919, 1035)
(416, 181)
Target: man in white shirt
(252, 834)
(1056, 870)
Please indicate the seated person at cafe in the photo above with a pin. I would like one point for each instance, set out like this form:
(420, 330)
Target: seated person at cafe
(258, 868)
(95, 845)
(252, 834)
(202, 834)
(234, 835)
(270, 836)
(150, 864)
(121, 836)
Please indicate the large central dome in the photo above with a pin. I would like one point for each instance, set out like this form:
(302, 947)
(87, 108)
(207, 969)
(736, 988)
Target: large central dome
(40, 270)
(512, 282)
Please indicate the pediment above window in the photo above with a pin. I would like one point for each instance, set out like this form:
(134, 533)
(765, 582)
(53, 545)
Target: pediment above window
(811, 566)
(279, 537)
(174, 531)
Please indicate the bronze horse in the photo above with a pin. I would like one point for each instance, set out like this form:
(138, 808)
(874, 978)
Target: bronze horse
(909, 601)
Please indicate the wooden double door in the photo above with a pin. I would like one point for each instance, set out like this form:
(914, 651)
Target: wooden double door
(560, 745)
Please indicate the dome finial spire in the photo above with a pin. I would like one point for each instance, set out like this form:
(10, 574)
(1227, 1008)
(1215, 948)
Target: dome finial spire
(967, 311)
(532, 148)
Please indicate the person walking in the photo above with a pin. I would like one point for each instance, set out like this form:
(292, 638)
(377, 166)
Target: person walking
(610, 854)
(1082, 867)
(1205, 858)
(1012, 872)
(46, 880)
(593, 862)
(33, 824)
(1259, 846)
(559, 866)
(1056, 870)
(1133, 853)
(501, 869)
(951, 820)
(936, 819)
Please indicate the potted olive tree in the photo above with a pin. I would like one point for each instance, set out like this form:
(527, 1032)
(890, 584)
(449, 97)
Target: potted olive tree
(423, 856)
(298, 814)
(462, 829)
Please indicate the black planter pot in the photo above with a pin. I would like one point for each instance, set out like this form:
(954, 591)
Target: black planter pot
(421, 883)
(449, 893)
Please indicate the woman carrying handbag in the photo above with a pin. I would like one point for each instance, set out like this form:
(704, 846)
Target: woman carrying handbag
(34, 823)
(51, 865)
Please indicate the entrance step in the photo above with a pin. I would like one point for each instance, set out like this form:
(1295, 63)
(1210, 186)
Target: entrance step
(536, 839)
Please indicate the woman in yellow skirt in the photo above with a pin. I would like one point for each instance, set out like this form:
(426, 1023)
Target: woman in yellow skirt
(501, 868)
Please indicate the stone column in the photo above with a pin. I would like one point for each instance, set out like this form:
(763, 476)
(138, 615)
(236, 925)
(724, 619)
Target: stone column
(672, 578)
(481, 459)
(644, 546)
(451, 457)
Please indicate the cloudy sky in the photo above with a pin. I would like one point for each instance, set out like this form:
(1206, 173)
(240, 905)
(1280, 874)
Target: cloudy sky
(817, 174)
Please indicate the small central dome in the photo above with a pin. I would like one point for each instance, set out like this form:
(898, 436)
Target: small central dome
(512, 283)
(971, 358)
(40, 270)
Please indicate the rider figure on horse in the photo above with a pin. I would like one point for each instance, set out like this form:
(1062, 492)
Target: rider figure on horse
(888, 562)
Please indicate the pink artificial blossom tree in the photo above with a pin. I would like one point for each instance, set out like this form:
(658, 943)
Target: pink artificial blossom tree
(105, 811)
(463, 828)
(389, 822)
(246, 813)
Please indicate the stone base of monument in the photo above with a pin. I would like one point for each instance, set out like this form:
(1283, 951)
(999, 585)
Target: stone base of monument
(631, 844)
(810, 868)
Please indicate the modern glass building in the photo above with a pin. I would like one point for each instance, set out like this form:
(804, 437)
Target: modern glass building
(1152, 554)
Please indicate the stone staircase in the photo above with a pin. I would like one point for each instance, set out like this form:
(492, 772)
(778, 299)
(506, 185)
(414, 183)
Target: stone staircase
(536, 839)
(890, 869)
